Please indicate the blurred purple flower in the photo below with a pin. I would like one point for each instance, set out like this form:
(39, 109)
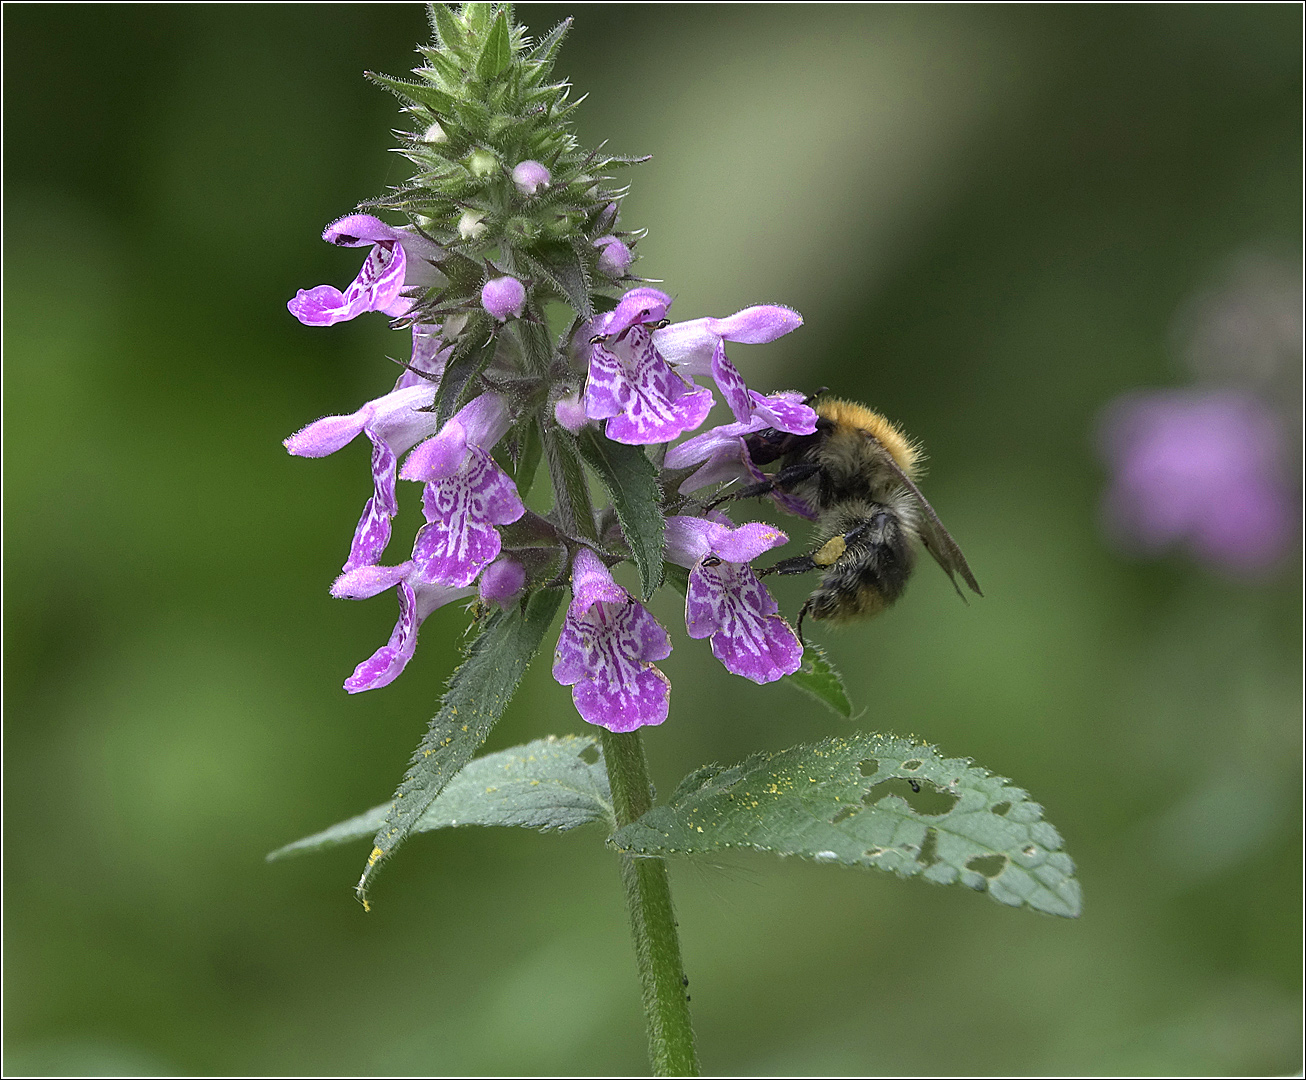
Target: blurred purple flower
(606, 649)
(399, 259)
(726, 601)
(1200, 468)
(417, 599)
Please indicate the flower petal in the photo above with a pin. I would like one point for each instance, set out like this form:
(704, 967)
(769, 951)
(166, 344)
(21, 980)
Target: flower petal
(461, 510)
(365, 581)
(641, 305)
(591, 583)
(728, 603)
(384, 665)
(731, 384)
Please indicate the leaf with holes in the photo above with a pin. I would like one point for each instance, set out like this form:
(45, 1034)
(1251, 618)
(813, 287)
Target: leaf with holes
(478, 693)
(549, 784)
(871, 800)
(820, 679)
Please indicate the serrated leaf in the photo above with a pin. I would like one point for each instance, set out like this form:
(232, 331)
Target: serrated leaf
(478, 693)
(853, 801)
(555, 783)
(497, 51)
(819, 679)
(632, 484)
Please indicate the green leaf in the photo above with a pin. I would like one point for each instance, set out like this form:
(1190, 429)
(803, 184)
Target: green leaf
(819, 679)
(471, 355)
(551, 783)
(530, 448)
(854, 801)
(497, 51)
(478, 693)
(632, 483)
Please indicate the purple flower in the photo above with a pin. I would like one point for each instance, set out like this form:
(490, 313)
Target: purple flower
(431, 351)
(697, 348)
(631, 385)
(530, 176)
(726, 601)
(417, 599)
(399, 259)
(606, 649)
(1205, 469)
(722, 456)
(614, 256)
(394, 423)
(504, 298)
(466, 494)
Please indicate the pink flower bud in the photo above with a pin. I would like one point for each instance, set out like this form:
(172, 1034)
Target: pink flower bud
(530, 176)
(614, 256)
(570, 412)
(503, 297)
(501, 581)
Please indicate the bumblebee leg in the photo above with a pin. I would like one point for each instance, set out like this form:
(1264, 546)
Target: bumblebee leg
(799, 564)
(786, 478)
(802, 612)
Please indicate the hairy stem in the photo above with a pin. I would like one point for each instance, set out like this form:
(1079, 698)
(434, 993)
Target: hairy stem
(652, 919)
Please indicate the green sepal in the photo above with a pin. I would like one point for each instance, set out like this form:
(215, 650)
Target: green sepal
(496, 53)
(820, 679)
(871, 800)
(551, 784)
(417, 93)
(477, 695)
(632, 484)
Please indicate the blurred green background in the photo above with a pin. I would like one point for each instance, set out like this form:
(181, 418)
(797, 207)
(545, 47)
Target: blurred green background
(989, 217)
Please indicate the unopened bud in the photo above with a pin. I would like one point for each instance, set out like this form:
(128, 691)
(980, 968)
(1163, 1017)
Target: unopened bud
(614, 256)
(501, 581)
(530, 176)
(570, 412)
(469, 225)
(481, 162)
(434, 134)
(503, 297)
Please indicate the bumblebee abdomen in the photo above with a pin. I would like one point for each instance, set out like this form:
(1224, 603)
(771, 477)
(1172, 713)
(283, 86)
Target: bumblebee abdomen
(871, 571)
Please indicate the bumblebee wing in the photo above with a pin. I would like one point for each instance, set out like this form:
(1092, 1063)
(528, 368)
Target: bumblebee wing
(938, 541)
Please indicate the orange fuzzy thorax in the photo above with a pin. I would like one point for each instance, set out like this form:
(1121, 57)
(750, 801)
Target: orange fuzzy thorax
(906, 453)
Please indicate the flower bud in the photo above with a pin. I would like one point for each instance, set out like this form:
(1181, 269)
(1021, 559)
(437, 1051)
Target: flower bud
(503, 297)
(570, 412)
(434, 134)
(481, 162)
(530, 176)
(614, 256)
(469, 225)
(501, 581)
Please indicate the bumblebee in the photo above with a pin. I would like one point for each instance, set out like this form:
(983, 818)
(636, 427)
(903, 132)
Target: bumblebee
(857, 471)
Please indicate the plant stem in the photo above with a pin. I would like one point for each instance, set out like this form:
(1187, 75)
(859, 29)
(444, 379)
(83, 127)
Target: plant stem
(652, 919)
